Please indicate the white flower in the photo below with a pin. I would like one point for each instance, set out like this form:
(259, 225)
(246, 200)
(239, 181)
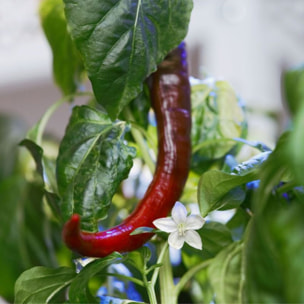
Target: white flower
(181, 227)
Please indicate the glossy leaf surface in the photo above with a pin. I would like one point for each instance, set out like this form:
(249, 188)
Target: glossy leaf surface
(93, 160)
(122, 41)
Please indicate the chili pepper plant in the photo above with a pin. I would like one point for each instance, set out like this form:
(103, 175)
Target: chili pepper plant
(147, 197)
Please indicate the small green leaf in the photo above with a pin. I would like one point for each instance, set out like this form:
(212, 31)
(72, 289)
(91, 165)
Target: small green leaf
(67, 65)
(139, 258)
(226, 273)
(41, 284)
(123, 41)
(79, 290)
(93, 159)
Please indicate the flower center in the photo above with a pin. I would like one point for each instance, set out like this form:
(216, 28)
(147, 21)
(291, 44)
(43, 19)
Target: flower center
(181, 229)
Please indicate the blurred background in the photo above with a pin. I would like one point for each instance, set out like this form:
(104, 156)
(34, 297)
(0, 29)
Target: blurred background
(246, 42)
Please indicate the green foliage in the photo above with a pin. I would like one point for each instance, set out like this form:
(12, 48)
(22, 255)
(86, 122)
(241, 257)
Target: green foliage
(294, 88)
(217, 118)
(122, 42)
(41, 284)
(93, 159)
(67, 64)
(255, 256)
(226, 274)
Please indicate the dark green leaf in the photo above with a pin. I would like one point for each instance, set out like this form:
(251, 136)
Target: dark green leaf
(93, 160)
(238, 223)
(79, 290)
(41, 284)
(294, 88)
(275, 254)
(67, 65)
(226, 274)
(123, 41)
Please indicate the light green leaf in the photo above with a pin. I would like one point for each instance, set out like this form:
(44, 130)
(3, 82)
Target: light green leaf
(41, 284)
(217, 118)
(93, 159)
(139, 258)
(122, 41)
(226, 273)
(67, 65)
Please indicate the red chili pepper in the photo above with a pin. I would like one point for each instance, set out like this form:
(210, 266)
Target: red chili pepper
(170, 99)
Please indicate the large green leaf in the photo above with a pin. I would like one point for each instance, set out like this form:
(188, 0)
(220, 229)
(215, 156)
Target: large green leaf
(226, 274)
(42, 284)
(67, 65)
(93, 159)
(122, 41)
(275, 254)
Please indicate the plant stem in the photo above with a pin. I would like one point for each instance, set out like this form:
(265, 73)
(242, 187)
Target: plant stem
(40, 126)
(188, 275)
(166, 283)
(140, 141)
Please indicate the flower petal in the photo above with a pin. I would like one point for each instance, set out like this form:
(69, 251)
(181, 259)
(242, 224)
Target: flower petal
(194, 222)
(193, 239)
(175, 240)
(179, 213)
(165, 224)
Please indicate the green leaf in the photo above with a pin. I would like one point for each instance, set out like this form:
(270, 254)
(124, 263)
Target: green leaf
(139, 258)
(226, 273)
(219, 189)
(41, 284)
(295, 146)
(294, 88)
(275, 253)
(93, 159)
(217, 118)
(79, 290)
(123, 41)
(67, 65)
(22, 233)
(276, 169)
(46, 172)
